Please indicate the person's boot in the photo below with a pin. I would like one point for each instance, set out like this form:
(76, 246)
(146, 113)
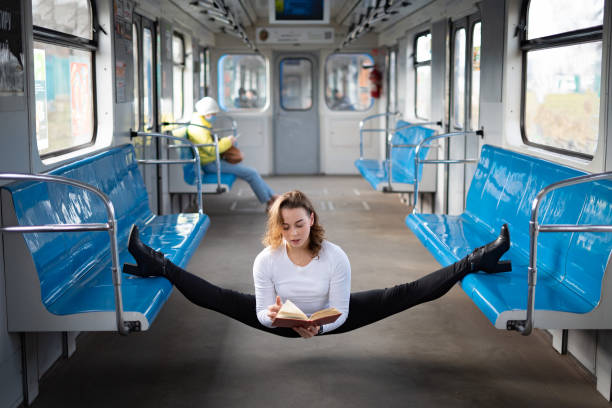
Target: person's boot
(486, 258)
(149, 262)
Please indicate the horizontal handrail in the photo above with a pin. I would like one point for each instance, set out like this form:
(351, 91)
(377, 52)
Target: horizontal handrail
(389, 136)
(362, 130)
(215, 136)
(525, 327)
(413, 124)
(186, 144)
(111, 226)
(431, 161)
(57, 227)
(404, 145)
(412, 145)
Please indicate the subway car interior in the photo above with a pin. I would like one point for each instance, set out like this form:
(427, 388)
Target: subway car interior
(417, 130)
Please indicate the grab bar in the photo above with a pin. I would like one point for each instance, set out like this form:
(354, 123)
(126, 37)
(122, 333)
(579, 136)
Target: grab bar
(362, 130)
(447, 161)
(195, 160)
(111, 226)
(525, 327)
(215, 143)
(391, 146)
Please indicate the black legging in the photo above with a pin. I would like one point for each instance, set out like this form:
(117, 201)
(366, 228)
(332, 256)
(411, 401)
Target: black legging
(364, 307)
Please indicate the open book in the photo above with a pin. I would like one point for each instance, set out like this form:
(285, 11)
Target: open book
(290, 315)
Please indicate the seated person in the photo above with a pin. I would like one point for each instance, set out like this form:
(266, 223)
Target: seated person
(340, 101)
(242, 101)
(206, 110)
(252, 98)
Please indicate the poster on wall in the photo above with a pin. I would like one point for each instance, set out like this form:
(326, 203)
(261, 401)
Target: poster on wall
(123, 10)
(11, 49)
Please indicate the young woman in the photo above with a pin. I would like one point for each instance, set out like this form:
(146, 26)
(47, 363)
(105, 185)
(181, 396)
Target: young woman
(300, 265)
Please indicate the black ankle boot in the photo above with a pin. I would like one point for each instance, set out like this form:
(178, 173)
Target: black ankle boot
(149, 262)
(486, 258)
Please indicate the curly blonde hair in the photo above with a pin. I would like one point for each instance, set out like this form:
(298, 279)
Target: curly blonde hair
(274, 231)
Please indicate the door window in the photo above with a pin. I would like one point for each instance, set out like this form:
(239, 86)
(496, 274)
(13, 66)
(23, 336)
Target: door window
(296, 84)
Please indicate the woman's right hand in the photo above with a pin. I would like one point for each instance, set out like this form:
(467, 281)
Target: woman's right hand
(273, 309)
(233, 139)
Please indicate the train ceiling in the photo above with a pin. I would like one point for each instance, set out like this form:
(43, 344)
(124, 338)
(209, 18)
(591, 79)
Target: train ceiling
(353, 17)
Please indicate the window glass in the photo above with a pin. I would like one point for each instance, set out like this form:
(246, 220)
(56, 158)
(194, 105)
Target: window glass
(459, 79)
(422, 66)
(67, 16)
(178, 71)
(347, 84)
(63, 97)
(296, 84)
(147, 69)
(202, 74)
(242, 82)
(423, 92)
(562, 96)
(136, 124)
(392, 81)
(549, 17)
(423, 48)
(207, 73)
(475, 97)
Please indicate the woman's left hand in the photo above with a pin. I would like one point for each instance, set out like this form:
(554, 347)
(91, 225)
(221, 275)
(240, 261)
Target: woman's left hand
(307, 332)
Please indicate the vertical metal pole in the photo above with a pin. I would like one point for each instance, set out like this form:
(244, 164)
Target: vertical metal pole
(532, 270)
(196, 157)
(416, 178)
(361, 124)
(218, 158)
(112, 232)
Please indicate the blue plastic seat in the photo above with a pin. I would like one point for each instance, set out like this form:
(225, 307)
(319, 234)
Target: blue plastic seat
(376, 172)
(70, 274)
(571, 280)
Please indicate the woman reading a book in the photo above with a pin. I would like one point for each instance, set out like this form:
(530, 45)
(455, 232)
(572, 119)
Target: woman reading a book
(298, 264)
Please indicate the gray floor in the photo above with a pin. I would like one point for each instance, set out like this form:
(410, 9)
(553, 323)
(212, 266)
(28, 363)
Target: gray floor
(441, 354)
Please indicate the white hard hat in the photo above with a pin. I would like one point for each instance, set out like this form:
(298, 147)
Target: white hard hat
(207, 106)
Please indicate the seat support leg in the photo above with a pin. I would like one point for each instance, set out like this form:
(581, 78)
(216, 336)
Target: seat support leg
(69, 343)
(559, 337)
(603, 367)
(29, 363)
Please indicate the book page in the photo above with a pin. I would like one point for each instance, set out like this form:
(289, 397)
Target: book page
(290, 311)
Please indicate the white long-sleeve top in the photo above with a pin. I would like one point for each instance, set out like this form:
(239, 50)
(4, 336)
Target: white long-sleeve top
(324, 282)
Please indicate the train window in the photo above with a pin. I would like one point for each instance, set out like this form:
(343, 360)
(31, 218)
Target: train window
(147, 68)
(347, 87)
(71, 17)
(562, 75)
(178, 75)
(63, 50)
(296, 84)
(459, 79)
(475, 88)
(136, 124)
(422, 67)
(392, 100)
(204, 72)
(242, 82)
(550, 17)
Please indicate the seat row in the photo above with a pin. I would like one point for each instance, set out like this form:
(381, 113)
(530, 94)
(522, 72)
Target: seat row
(560, 221)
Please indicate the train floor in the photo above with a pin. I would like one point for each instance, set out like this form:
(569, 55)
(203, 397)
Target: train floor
(440, 354)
